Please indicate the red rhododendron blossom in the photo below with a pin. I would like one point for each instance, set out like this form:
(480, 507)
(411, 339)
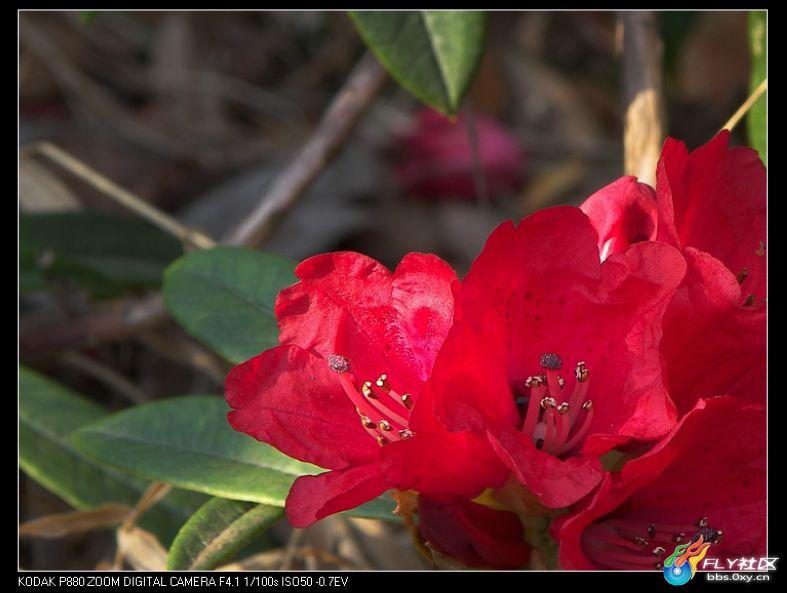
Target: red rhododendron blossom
(554, 355)
(710, 203)
(707, 477)
(438, 160)
(343, 390)
(473, 534)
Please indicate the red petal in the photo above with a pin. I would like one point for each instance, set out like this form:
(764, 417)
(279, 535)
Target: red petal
(291, 399)
(712, 345)
(349, 304)
(313, 497)
(475, 535)
(623, 213)
(714, 199)
(711, 465)
(438, 463)
(473, 386)
(555, 482)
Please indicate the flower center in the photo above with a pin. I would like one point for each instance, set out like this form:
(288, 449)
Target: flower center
(557, 424)
(384, 414)
(630, 544)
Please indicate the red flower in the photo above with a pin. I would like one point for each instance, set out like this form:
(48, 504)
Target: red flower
(711, 204)
(437, 157)
(554, 358)
(473, 534)
(357, 344)
(706, 477)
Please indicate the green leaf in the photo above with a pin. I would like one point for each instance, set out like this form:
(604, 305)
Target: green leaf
(757, 123)
(217, 531)
(433, 54)
(187, 441)
(225, 296)
(48, 413)
(101, 253)
(381, 507)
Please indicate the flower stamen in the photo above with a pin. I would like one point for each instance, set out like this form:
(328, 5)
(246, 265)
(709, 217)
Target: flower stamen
(377, 418)
(621, 543)
(549, 418)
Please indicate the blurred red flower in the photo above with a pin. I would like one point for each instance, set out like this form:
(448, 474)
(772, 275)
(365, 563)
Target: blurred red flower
(437, 157)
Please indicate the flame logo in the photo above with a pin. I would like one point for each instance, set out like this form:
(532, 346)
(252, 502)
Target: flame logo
(676, 572)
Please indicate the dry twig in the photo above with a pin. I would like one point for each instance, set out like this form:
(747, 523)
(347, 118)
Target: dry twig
(747, 104)
(64, 524)
(122, 196)
(112, 323)
(358, 91)
(105, 375)
(176, 346)
(140, 549)
(292, 547)
(643, 131)
(135, 542)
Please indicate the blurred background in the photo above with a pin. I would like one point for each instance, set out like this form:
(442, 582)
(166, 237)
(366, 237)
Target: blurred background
(197, 113)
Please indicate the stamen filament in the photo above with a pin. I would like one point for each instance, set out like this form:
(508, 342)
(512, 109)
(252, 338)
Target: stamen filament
(553, 380)
(361, 403)
(399, 399)
(564, 426)
(388, 413)
(549, 439)
(579, 434)
(602, 534)
(531, 417)
(577, 397)
(370, 408)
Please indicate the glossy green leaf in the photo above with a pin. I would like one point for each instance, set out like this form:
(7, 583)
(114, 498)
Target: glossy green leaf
(756, 122)
(225, 296)
(48, 413)
(433, 54)
(188, 442)
(217, 531)
(102, 253)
